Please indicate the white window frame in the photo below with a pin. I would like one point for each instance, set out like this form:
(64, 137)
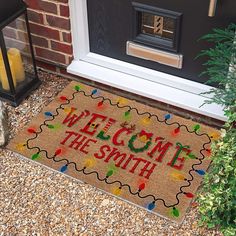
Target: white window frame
(157, 85)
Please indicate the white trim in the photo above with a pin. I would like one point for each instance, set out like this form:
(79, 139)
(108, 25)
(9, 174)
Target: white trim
(146, 74)
(146, 82)
(79, 28)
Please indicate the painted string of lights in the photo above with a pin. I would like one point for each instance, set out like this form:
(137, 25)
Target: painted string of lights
(167, 117)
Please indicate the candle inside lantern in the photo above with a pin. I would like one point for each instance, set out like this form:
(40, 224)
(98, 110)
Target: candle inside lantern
(17, 64)
(3, 74)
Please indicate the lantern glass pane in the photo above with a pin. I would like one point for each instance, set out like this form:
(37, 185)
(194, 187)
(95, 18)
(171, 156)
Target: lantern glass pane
(19, 56)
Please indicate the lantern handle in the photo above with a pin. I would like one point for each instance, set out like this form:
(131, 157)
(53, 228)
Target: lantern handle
(212, 8)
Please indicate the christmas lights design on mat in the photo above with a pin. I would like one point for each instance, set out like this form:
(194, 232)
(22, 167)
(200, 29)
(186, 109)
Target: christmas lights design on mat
(147, 138)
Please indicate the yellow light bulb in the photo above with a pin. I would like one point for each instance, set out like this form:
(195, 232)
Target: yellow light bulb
(177, 176)
(21, 146)
(122, 101)
(214, 135)
(117, 191)
(145, 121)
(89, 163)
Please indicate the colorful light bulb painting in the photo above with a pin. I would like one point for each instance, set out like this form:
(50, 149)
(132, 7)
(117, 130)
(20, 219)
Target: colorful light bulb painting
(63, 98)
(200, 172)
(64, 168)
(68, 110)
(151, 206)
(117, 191)
(146, 121)
(31, 130)
(177, 176)
(88, 163)
(50, 126)
(196, 127)
(35, 156)
(207, 152)
(48, 113)
(21, 146)
(189, 195)
(100, 104)
(127, 115)
(175, 132)
(94, 91)
(167, 116)
(58, 152)
(141, 186)
(77, 87)
(121, 102)
(175, 212)
(109, 173)
(215, 136)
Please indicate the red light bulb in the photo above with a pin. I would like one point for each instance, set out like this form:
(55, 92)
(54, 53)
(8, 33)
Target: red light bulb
(189, 195)
(208, 152)
(63, 98)
(141, 186)
(100, 104)
(58, 152)
(31, 130)
(177, 130)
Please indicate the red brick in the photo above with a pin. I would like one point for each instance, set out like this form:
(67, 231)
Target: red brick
(64, 11)
(9, 32)
(46, 66)
(12, 24)
(48, 7)
(42, 5)
(66, 37)
(39, 41)
(34, 4)
(35, 16)
(20, 24)
(44, 31)
(58, 22)
(61, 47)
(50, 55)
(22, 36)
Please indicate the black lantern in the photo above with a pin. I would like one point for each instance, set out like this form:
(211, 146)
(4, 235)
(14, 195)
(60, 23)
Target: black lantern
(18, 73)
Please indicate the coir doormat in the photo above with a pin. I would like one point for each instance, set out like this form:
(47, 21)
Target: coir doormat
(138, 153)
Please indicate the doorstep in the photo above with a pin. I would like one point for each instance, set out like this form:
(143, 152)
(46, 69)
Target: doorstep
(182, 101)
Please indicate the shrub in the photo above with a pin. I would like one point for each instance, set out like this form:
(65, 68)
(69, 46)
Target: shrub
(217, 198)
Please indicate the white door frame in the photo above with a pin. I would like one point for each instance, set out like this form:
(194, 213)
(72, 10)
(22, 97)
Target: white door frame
(136, 79)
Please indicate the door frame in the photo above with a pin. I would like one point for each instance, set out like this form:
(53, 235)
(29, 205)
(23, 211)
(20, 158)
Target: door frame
(159, 86)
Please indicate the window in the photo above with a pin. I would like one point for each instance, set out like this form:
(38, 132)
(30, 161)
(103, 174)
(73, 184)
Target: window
(156, 27)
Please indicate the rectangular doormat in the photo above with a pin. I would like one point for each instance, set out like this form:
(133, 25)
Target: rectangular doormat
(143, 155)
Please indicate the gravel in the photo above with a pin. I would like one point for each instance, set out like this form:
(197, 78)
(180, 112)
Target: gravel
(35, 200)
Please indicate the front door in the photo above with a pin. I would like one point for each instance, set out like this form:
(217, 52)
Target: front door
(162, 35)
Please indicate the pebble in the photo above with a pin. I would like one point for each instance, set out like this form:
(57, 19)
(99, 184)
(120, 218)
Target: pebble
(105, 202)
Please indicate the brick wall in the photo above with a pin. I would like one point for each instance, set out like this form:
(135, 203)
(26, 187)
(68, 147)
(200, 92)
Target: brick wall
(50, 29)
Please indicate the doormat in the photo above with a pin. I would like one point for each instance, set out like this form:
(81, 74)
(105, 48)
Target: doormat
(138, 153)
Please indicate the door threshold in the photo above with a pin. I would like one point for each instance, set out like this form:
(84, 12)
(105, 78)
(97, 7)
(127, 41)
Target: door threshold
(160, 92)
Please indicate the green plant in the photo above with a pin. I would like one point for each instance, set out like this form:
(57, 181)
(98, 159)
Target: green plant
(217, 198)
(221, 58)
